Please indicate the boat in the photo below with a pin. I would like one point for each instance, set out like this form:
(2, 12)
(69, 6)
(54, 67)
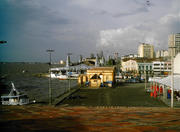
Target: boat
(70, 72)
(14, 97)
(59, 74)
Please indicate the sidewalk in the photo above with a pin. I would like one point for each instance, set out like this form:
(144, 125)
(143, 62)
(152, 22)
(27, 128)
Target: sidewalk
(126, 94)
(113, 119)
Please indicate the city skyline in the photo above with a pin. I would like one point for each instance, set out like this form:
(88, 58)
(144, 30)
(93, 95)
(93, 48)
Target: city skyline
(83, 27)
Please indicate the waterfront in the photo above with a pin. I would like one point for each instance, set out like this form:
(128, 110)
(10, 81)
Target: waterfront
(126, 107)
(27, 79)
(124, 94)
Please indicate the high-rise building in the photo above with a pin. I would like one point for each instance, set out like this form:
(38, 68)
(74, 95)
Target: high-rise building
(146, 50)
(162, 53)
(174, 44)
(68, 61)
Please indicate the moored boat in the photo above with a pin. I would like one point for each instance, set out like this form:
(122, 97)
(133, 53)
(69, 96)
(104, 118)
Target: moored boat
(14, 97)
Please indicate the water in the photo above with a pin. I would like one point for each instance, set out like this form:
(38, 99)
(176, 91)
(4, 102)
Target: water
(24, 76)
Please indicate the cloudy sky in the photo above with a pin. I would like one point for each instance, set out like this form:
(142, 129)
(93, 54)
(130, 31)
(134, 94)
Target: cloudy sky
(83, 26)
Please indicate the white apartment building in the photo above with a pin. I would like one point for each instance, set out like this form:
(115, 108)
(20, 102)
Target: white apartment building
(130, 65)
(174, 41)
(138, 67)
(161, 68)
(146, 50)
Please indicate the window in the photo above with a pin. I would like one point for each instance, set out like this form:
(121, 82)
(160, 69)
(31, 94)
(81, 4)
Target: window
(156, 64)
(150, 67)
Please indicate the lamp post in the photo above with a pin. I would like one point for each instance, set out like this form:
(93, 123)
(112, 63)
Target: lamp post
(172, 75)
(68, 61)
(145, 85)
(145, 77)
(50, 90)
(3, 42)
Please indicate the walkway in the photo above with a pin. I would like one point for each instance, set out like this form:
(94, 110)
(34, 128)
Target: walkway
(125, 119)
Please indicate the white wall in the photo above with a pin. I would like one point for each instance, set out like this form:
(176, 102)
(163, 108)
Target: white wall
(177, 64)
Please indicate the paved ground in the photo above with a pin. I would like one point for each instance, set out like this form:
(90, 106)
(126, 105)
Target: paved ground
(91, 110)
(125, 119)
(126, 94)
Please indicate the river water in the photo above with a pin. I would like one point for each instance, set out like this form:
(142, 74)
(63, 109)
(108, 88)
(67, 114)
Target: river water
(24, 76)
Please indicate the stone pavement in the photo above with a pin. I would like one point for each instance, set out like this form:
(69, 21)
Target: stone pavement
(113, 119)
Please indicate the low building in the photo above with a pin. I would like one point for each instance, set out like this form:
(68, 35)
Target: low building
(129, 56)
(129, 65)
(145, 69)
(89, 60)
(161, 68)
(98, 76)
(137, 66)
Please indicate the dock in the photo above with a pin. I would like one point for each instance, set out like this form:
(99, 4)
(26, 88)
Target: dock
(59, 99)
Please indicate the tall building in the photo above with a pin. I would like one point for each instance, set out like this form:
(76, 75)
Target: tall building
(174, 44)
(146, 50)
(68, 61)
(162, 53)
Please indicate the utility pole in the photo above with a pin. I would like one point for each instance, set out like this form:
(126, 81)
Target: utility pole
(172, 75)
(144, 74)
(145, 77)
(50, 89)
(69, 70)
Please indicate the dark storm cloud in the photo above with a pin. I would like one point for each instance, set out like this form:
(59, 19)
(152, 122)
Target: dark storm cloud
(28, 29)
(32, 26)
(16, 16)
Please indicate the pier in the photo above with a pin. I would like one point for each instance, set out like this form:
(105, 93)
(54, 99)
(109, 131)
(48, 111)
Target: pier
(59, 99)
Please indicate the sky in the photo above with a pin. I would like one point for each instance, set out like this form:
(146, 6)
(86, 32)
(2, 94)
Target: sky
(82, 27)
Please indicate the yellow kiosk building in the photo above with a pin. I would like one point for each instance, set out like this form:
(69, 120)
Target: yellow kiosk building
(98, 77)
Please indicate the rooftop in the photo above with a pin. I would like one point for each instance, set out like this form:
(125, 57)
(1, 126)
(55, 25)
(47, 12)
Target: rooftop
(102, 68)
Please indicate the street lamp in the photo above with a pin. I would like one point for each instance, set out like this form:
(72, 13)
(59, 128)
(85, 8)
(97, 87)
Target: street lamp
(145, 79)
(172, 75)
(68, 65)
(50, 90)
(3, 42)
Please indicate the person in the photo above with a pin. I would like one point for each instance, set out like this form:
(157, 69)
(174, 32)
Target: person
(34, 101)
(177, 95)
(169, 94)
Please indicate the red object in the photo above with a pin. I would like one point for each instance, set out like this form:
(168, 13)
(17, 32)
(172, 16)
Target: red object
(151, 94)
(169, 91)
(157, 88)
(155, 93)
(161, 90)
